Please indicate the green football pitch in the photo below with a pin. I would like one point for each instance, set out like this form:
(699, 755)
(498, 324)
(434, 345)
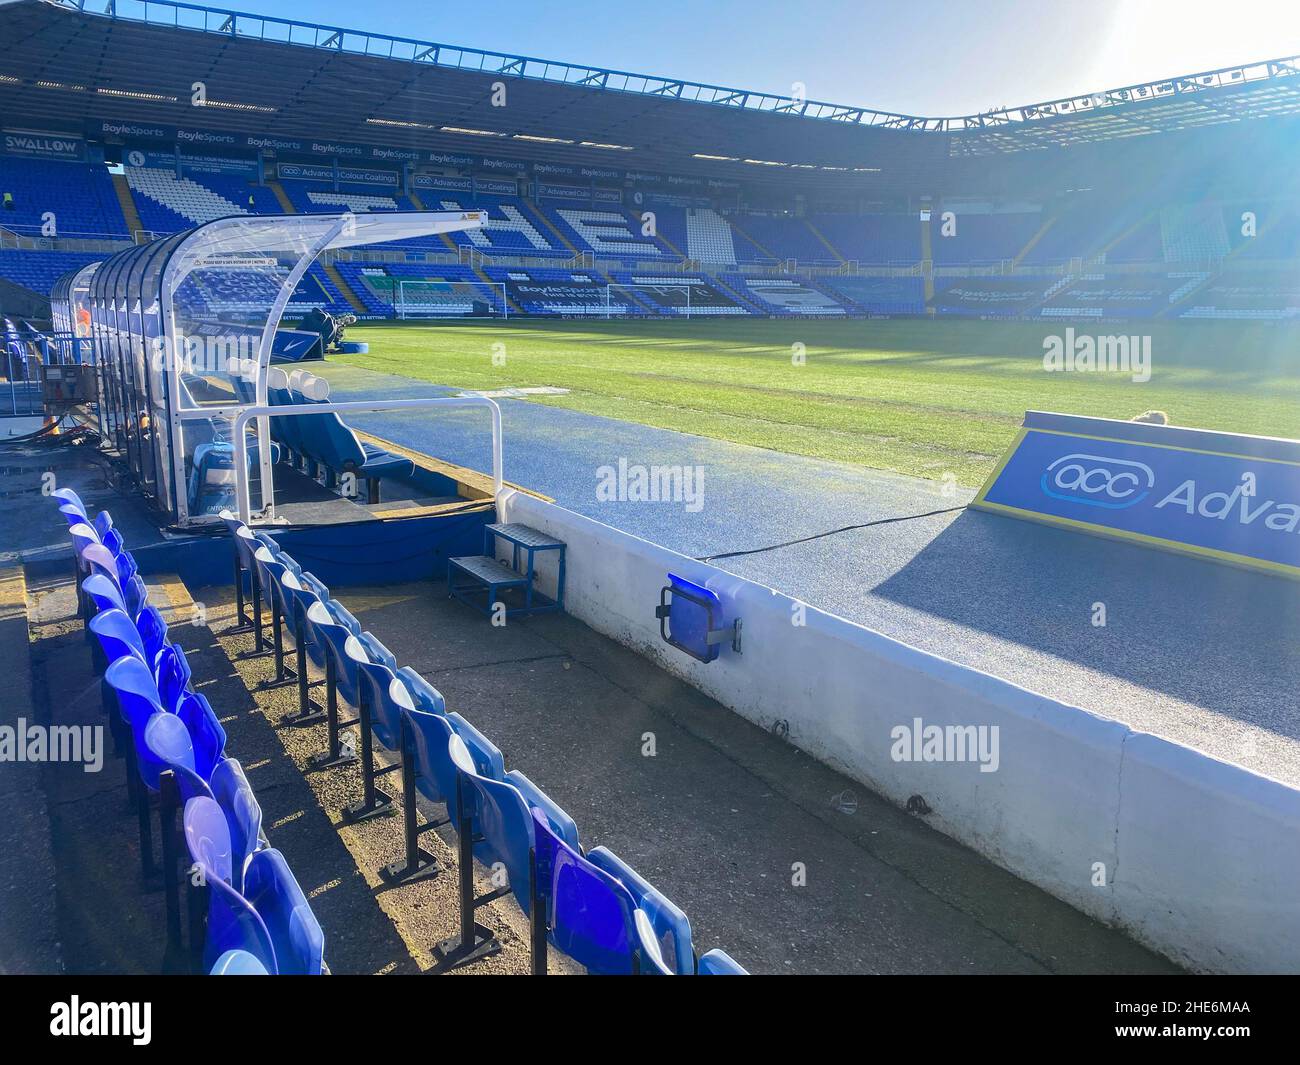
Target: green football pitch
(918, 397)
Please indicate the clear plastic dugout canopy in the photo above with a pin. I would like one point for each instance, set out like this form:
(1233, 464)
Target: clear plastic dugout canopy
(70, 301)
(185, 328)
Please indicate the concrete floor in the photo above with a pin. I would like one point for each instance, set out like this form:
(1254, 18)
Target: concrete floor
(719, 818)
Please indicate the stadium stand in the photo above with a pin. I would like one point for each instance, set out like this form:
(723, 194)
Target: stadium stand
(872, 238)
(212, 294)
(785, 297)
(539, 290)
(168, 204)
(313, 198)
(708, 237)
(508, 230)
(784, 238)
(1246, 296)
(421, 291)
(879, 295)
(982, 238)
(38, 270)
(1193, 233)
(79, 195)
(675, 295)
(607, 233)
(983, 297)
(1116, 295)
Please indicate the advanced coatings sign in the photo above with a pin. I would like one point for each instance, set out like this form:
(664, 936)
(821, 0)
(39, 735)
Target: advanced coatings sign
(1219, 495)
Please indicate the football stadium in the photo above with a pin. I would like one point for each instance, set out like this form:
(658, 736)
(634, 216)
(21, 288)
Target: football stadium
(473, 513)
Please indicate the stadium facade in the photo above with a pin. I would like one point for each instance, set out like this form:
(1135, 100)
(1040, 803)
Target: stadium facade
(615, 193)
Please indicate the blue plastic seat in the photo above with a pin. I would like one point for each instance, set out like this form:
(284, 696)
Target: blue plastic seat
(112, 539)
(212, 479)
(504, 817)
(153, 632)
(165, 744)
(117, 634)
(127, 570)
(172, 672)
(591, 915)
(99, 559)
(296, 596)
(103, 523)
(207, 835)
(105, 593)
(270, 567)
(66, 496)
(422, 695)
(719, 963)
(74, 515)
(206, 734)
(244, 546)
(74, 512)
(344, 617)
(375, 669)
(337, 447)
(339, 644)
(83, 536)
(269, 570)
(671, 927)
(295, 933)
(136, 595)
(243, 814)
(137, 692)
(436, 773)
(238, 963)
(233, 924)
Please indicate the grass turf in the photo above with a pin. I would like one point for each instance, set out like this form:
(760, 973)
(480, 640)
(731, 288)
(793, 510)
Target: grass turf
(918, 397)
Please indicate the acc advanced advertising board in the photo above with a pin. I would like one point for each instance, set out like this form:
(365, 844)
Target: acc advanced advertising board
(1225, 496)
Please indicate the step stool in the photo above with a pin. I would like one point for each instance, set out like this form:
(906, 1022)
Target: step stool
(484, 571)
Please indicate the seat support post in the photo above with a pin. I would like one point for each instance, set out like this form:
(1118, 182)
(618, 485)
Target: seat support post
(309, 713)
(419, 862)
(168, 802)
(536, 917)
(283, 674)
(335, 756)
(373, 801)
(242, 621)
(259, 644)
(474, 941)
(197, 906)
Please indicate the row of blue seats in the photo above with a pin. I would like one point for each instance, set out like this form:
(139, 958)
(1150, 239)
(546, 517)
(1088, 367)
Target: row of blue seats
(590, 905)
(247, 913)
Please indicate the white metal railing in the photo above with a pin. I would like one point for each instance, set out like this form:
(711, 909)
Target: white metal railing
(361, 406)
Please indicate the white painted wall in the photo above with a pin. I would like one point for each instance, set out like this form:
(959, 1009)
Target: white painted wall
(1202, 858)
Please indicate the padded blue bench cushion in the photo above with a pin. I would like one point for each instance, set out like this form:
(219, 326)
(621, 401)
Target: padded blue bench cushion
(381, 463)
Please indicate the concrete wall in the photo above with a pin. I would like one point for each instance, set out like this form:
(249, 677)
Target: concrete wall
(1197, 858)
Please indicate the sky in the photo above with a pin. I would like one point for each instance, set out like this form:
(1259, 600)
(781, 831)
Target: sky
(922, 57)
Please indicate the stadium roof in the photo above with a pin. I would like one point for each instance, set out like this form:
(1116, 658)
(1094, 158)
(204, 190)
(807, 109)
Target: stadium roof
(74, 62)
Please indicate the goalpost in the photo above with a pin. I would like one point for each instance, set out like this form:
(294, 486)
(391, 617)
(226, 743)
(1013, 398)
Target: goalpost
(414, 298)
(610, 289)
